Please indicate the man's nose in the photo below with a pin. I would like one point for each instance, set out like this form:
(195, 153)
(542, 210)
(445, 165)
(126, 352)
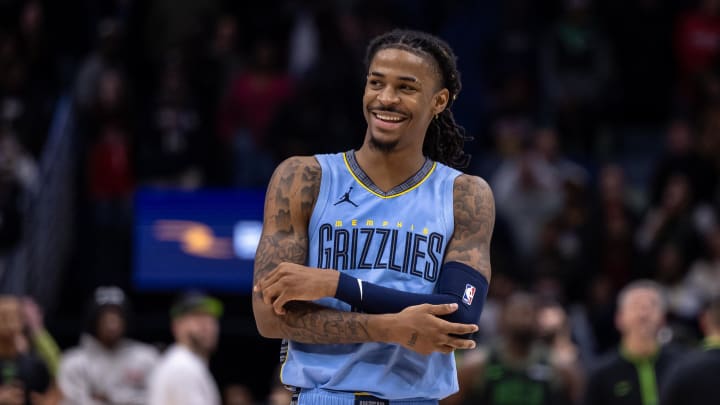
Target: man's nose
(388, 96)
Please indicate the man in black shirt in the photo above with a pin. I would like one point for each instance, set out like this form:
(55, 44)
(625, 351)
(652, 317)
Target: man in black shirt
(21, 375)
(696, 378)
(630, 375)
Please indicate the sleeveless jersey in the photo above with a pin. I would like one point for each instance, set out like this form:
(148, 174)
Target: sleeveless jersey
(395, 239)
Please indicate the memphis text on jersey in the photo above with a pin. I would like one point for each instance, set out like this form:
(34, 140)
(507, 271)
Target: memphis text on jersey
(363, 245)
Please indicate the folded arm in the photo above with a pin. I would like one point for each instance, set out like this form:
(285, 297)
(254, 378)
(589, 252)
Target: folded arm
(284, 242)
(463, 279)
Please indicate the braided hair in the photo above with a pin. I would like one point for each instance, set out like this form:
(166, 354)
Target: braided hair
(444, 138)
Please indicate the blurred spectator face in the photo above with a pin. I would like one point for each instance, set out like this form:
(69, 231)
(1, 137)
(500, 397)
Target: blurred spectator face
(31, 18)
(265, 55)
(197, 330)
(519, 318)
(551, 320)
(676, 194)
(612, 183)
(10, 318)
(679, 138)
(236, 394)
(279, 396)
(640, 313)
(546, 143)
(225, 34)
(110, 90)
(669, 264)
(110, 327)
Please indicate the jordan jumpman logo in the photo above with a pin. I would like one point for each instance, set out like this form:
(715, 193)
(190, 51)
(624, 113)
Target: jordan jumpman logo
(346, 198)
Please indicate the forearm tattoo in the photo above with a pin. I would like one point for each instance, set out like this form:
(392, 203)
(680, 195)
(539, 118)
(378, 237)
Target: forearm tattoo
(288, 207)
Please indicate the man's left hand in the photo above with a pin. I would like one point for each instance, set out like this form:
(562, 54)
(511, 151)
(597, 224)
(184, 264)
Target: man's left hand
(295, 282)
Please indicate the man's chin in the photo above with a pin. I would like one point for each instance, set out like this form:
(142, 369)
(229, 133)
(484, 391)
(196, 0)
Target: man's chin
(381, 145)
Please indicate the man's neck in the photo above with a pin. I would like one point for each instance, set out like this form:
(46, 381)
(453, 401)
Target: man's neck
(202, 355)
(639, 346)
(388, 169)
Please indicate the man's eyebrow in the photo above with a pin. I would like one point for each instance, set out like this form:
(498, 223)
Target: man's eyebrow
(403, 78)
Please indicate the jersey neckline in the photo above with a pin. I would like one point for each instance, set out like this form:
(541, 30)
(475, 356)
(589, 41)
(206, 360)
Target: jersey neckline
(406, 186)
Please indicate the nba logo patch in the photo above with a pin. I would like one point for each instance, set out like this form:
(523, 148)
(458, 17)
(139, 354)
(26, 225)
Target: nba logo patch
(469, 294)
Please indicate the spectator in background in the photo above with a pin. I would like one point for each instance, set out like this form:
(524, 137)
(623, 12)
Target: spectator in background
(528, 189)
(614, 223)
(518, 367)
(697, 40)
(104, 57)
(669, 221)
(681, 157)
(238, 394)
(248, 109)
(694, 380)
(703, 279)
(38, 339)
(24, 379)
(107, 367)
(632, 374)
(182, 377)
(575, 69)
(172, 153)
(18, 181)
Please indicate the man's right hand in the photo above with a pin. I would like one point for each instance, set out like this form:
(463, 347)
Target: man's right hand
(420, 328)
(11, 394)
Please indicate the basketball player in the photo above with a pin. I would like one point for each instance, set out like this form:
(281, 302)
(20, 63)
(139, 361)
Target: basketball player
(389, 242)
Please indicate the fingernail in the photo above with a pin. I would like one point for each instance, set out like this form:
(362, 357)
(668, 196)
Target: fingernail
(453, 306)
(472, 345)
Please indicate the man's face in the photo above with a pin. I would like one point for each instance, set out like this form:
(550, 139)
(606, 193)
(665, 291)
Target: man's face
(402, 94)
(10, 320)
(640, 313)
(519, 318)
(110, 326)
(199, 330)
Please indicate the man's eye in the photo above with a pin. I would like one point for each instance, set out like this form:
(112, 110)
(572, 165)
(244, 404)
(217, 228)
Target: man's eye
(408, 89)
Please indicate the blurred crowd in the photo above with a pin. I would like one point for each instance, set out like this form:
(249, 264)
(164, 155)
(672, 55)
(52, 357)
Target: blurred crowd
(597, 124)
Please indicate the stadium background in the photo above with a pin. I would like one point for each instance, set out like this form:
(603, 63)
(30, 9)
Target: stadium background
(597, 123)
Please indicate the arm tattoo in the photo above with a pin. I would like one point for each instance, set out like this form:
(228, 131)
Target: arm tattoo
(310, 323)
(413, 339)
(474, 210)
(288, 207)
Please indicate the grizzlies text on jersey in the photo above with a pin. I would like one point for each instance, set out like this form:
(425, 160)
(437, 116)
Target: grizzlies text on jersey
(395, 239)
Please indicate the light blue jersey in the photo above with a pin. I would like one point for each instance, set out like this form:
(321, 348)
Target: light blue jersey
(396, 240)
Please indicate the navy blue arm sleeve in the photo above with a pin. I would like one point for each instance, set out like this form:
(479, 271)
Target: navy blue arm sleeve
(458, 283)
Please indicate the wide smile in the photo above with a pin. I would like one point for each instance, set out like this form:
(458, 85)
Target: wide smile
(388, 120)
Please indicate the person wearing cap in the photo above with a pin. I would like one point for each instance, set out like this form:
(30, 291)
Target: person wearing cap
(107, 367)
(182, 377)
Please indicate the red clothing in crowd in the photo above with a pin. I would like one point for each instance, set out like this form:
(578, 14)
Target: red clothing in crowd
(252, 102)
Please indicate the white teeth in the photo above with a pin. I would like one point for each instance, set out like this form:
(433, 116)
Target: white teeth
(388, 118)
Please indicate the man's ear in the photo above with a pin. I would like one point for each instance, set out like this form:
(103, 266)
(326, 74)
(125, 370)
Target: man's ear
(440, 101)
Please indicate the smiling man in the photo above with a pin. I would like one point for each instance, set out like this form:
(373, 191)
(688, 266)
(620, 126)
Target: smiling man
(373, 264)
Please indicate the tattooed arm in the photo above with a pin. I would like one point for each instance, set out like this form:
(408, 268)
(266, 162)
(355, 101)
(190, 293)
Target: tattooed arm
(474, 208)
(284, 243)
(467, 263)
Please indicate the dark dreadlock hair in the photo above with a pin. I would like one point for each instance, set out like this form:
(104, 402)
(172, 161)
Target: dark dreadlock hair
(444, 138)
